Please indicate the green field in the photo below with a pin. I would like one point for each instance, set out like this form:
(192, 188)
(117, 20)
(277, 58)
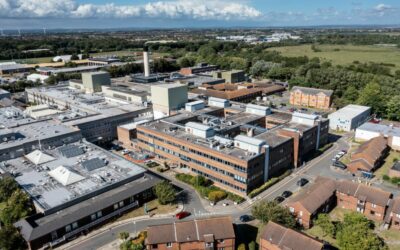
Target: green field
(346, 54)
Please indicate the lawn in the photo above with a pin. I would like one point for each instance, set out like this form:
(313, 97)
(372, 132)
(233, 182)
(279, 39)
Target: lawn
(347, 157)
(346, 54)
(153, 207)
(317, 232)
(392, 238)
(389, 161)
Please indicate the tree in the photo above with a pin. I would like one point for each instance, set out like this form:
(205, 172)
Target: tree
(165, 192)
(7, 187)
(261, 68)
(252, 245)
(393, 108)
(371, 96)
(270, 210)
(10, 239)
(123, 235)
(326, 224)
(17, 206)
(241, 247)
(356, 232)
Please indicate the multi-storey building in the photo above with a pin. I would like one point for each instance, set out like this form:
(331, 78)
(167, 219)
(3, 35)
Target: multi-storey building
(226, 143)
(202, 234)
(74, 188)
(311, 97)
(96, 115)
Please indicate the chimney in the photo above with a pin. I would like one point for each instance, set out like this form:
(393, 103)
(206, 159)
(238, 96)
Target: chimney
(146, 61)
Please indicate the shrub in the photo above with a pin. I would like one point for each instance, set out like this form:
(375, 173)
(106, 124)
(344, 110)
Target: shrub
(216, 196)
(395, 180)
(241, 247)
(268, 184)
(123, 235)
(385, 177)
(252, 245)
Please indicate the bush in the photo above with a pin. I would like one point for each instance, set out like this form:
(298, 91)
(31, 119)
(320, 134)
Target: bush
(252, 245)
(241, 247)
(216, 196)
(395, 180)
(165, 192)
(268, 184)
(123, 235)
(386, 177)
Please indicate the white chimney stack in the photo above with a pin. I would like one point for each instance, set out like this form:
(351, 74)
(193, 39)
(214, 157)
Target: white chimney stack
(146, 62)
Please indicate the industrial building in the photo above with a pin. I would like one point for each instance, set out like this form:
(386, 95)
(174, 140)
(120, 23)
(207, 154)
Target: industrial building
(167, 98)
(369, 130)
(20, 135)
(199, 68)
(9, 68)
(349, 118)
(229, 144)
(238, 92)
(96, 115)
(75, 187)
(54, 71)
(37, 77)
(231, 76)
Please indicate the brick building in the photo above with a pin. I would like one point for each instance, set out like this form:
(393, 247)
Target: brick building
(199, 68)
(311, 97)
(392, 218)
(370, 201)
(278, 237)
(369, 156)
(207, 234)
(319, 198)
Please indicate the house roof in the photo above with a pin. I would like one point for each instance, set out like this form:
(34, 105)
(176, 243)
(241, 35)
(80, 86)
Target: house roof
(370, 152)
(316, 195)
(313, 91)
(286, 238)
(364, 192)
(194, 230)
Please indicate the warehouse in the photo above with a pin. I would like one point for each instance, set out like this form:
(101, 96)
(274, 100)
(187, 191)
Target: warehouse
(349, 117)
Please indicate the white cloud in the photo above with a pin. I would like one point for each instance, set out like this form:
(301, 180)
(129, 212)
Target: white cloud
(382, 7)
(191, 9)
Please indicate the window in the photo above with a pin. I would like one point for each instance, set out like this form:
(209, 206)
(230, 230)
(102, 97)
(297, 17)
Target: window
(373, 205)
(68, 228)
(372, 212)
(74, 225)
(93, 217)
(121, 203)
(221, 241)
(301, 213)
(154, 246)
(169, 244)
(115, 206)
(209, 244)
(221, 248)
(99, 214)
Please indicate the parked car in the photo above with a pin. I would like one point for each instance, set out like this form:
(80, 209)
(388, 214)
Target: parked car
(245, 218)
(302, 182)
(339, 164)
(286, 194)
(182, 215)
(279, 199)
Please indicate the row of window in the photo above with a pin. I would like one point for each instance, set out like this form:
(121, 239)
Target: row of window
(218, 180)
(235, 166)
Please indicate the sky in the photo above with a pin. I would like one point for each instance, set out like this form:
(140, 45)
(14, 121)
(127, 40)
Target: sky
(51, 14)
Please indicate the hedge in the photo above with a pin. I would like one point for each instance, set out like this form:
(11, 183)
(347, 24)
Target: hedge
(268, 184)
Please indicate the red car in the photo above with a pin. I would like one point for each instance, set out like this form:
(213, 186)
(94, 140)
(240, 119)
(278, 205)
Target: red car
(182, 215)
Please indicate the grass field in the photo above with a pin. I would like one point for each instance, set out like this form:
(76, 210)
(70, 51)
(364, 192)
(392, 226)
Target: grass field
(346, 54)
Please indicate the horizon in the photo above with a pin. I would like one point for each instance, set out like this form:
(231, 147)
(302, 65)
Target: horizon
(175, 14)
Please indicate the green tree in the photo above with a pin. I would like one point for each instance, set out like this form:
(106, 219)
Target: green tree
(17, 206)
(123, 235)
(252, 245)
(356, 232)
(326, 224)
(351, 93)
(270, 210)
(7, 188)
(10, 239)
(371, 96)
(393, 108)
(241, 247)
(165, 192)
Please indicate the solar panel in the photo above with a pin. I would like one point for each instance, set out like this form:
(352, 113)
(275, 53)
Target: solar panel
(71, 151)
(93, 164)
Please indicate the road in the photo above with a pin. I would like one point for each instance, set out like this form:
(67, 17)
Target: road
(320, 166)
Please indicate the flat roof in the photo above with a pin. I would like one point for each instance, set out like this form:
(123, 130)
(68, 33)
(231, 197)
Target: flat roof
(169, 85)
(49, 191)
(386, 130)
(350, 110)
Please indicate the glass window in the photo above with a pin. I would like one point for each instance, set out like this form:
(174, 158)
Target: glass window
(93, 217)
(169, 244)
(74, 225)
(115, 206)
(68, 228)
(99, 214)
(121, 203)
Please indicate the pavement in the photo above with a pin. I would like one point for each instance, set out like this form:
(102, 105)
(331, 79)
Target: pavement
(106, 238)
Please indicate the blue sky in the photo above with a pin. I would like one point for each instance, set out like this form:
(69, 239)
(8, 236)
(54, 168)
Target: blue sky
(26, 14)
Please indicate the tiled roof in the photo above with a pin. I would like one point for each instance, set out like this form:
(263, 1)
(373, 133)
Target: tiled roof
(286, 238)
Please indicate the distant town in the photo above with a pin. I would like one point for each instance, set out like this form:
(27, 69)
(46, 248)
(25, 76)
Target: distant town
(200, 139)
